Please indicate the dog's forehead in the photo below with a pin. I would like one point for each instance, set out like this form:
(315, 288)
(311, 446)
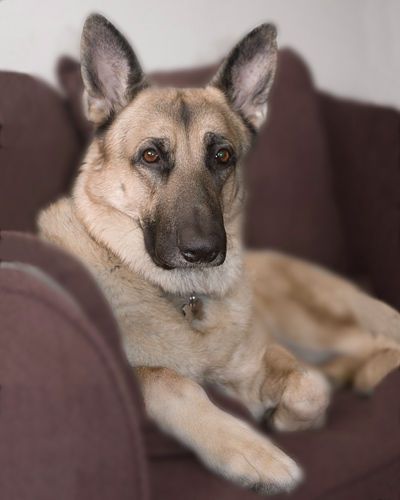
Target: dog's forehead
(166, 112)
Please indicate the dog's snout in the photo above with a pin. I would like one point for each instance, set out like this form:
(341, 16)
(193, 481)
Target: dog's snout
(200, 250)
(193, 236)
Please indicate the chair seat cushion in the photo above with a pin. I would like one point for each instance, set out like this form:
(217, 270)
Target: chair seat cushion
(356, 456)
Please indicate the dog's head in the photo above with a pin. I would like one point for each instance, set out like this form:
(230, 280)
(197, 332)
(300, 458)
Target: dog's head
(164, 164)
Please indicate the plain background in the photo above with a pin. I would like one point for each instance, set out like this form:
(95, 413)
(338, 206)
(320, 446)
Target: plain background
(352, 46)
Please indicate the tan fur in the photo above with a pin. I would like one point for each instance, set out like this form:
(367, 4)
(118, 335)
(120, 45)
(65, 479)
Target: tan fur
(259, 309)
(115, 216)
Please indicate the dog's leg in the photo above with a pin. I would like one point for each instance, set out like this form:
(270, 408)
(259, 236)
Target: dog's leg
(292, 394)
(349, 335)
(226, 444)
(364, 373)
(368, 351)
(300, 392)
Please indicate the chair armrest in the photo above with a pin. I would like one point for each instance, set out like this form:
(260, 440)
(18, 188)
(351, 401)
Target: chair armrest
(71, 415)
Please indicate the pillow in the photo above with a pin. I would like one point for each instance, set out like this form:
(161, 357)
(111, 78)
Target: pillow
(367, 183)
(39, 149)
(291, 201)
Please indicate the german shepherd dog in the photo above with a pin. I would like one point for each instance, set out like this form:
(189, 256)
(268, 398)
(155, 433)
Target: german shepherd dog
(156, 215)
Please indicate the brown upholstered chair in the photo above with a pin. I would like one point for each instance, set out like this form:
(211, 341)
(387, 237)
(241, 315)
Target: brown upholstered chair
(324, 182)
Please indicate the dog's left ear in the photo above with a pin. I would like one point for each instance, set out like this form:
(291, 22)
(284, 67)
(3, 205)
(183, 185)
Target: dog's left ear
(247, 74)
(110, 70)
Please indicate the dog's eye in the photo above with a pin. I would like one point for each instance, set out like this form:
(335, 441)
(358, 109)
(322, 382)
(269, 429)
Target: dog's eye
(223, 156)
(150, 155)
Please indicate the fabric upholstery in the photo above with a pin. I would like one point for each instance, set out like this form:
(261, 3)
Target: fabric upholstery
(67, 272)
(72, 276)
(366, 172)
(291, 202)
(69, 427)
(39, 149)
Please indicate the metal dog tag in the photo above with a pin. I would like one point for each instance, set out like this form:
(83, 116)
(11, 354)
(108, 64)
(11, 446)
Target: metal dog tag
(193, 308)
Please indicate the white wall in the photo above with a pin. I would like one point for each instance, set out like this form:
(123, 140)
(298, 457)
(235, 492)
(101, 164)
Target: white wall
(353, 46)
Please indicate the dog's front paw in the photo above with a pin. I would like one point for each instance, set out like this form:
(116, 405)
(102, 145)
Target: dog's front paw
(303, 403)
(242, 455)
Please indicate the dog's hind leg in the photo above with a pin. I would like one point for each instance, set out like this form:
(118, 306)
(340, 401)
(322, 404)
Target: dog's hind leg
(375, 368)
(378, 340)
(364, 374)
(369, 351)
(226, 444)
(325, 320)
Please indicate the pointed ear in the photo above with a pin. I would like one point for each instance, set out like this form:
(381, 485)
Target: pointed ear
(247, 74)
(110, 70)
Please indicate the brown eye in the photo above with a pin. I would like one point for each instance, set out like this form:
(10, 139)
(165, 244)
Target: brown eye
(150, 155)
(223, 156)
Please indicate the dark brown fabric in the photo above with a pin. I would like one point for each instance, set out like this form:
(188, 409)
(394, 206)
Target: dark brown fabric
(68, 425)
(72, 276)
(364, 144)
(67, 272)
(291, 205)
(360, 441)
(68, 71)
(39, 149)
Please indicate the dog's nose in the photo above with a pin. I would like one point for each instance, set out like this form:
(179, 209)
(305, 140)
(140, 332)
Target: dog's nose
(200, 250)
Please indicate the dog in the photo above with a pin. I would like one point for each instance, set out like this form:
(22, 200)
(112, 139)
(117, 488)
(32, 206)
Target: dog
(156, 215)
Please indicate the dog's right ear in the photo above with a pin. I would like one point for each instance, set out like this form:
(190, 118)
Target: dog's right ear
(111, 72)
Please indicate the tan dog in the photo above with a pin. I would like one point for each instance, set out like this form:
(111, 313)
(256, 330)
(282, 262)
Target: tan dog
(155, 214)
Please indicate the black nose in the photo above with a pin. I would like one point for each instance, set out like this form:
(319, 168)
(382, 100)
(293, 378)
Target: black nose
(200, 250)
